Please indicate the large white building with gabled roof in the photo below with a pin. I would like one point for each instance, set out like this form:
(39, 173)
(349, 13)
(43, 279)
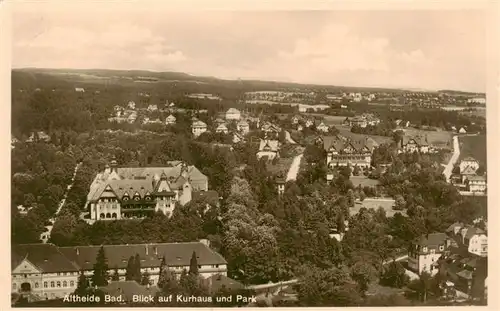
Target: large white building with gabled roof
(136, 192)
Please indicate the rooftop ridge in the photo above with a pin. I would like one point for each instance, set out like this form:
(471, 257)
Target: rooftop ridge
(135, 244)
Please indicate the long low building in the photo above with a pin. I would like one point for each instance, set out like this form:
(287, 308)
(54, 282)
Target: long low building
(46, 271)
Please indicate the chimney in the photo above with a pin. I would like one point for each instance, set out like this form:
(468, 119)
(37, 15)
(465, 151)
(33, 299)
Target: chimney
(156, 250)
(147, 249)
(77, 252)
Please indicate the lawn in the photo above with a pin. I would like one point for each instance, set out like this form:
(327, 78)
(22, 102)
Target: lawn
(368, 203)
(473, 146)
(363, 181)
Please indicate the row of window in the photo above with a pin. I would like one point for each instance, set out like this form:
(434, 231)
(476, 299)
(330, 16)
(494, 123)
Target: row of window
(52, 284)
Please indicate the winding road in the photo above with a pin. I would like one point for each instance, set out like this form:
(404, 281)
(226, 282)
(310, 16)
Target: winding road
(45, 236)
(454, 158)
(294, 168)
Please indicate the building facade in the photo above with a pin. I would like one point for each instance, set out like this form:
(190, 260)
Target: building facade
(198, 127)
(45, 271)
(233, 114)
(425, 251)
(269, 149)
(414, 144)
(136, 192)
(347, 152)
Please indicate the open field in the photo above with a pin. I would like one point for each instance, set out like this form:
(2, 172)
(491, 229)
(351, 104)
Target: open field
(375, 203)
(363, 181)
(473, 146)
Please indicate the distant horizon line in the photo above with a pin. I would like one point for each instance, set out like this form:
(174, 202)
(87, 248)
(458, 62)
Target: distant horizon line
(411, 89)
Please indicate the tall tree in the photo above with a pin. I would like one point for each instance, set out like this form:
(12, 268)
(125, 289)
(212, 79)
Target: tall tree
(82, 285)
(137, 269)
(145, 280)
(100, 276)
(193, 265)
(130, 269)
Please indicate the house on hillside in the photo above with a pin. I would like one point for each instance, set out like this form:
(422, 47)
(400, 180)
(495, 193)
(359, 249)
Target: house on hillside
(425, 251)
(269, 149)
(198, 127)
(131, 105)
(79, 90)
(233, 114)
(170, 120)
(358, 121)
(462, 130)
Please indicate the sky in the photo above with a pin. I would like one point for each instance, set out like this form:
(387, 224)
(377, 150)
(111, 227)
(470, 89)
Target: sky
(428, 49)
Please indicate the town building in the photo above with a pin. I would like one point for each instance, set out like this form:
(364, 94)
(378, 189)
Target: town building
(222, 128)
(42, 271)
(469, 162)
(136, 192)
(322, 127)
(342, 151)
(45, 271)
(357, 121)
(243, 127)
(131, 105)
(233, 114)
(476, 184)
(152, 108)
(414, 144)
(170, 120)
(425, 251)
(280, 185)
(198, 127)
(269, 149)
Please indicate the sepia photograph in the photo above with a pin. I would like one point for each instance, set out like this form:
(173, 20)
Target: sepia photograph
(210, 156)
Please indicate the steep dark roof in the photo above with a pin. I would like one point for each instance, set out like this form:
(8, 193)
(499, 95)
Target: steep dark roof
(210, 196)
(432, 240)
(176, 254)
(46, 257)
(339, 143)
(217, 281)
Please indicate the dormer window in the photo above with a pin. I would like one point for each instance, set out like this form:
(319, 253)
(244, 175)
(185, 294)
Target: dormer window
(148, 198)
(125, 198)
(137, 198)
(441, 247)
